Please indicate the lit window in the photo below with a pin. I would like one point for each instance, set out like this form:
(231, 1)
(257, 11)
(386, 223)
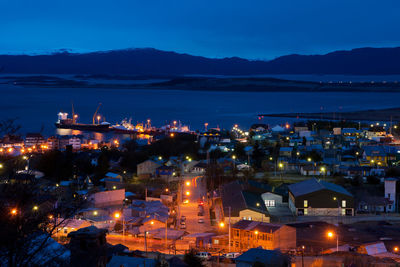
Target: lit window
(270, 203)
(305, 211)
(305, 203)
(249, 218)
(343, 203)
(216, 241)
(343, 212)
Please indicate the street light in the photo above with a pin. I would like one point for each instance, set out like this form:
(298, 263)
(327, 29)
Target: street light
(323, 171)
(187, 193)
(35, 207)
(98, 119)
(188, 183)
(14, 212)
(117, 216)
(396, 249)
(309, 159)
(222, 224)
(331, 234)
(281, 168)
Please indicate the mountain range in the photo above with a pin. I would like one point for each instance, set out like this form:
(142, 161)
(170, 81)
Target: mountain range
(149, 61)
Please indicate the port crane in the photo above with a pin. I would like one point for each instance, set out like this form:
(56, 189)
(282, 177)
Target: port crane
(73, 113)
(94, 115)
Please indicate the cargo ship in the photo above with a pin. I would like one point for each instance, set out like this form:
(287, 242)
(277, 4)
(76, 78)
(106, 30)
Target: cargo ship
(64, 122)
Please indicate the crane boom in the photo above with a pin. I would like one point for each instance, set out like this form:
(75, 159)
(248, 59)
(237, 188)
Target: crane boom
(73, 113)
(94, 115)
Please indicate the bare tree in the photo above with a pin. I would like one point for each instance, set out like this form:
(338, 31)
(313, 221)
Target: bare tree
(28, 219)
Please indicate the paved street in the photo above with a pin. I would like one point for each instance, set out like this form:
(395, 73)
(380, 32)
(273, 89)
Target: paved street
(197, 189)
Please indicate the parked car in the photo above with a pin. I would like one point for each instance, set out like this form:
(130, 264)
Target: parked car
(232, 255)
(201, 208)
(204, 255)
(200, 220)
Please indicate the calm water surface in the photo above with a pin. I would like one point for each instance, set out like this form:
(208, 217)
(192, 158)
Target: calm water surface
(37, 108)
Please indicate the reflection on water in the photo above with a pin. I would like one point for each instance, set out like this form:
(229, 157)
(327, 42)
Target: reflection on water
(102, 137)
(88, 135)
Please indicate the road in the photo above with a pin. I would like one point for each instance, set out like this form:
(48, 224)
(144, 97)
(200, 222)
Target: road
(197, 189)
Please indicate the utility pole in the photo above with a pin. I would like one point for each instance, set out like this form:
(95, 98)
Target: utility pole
(229, 231)
(145, 242)
(166, 234)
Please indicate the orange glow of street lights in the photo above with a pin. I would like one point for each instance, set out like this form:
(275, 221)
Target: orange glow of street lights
(188, 183)
(256, 232)
(187, 193)
(14, 212)
(152, 222)
(172, 135)
(117, 215)
(330, 234)
(396, 249)
(222, 224)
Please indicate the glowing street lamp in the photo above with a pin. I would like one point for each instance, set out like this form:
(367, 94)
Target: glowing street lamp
(14, 212)
(1, 166)
(98, 119)
(309, 159)
(221, 224)
(331, 234)
(187, 183)
(117, 216)
(187, 193)
(396, 249)
(35, 208)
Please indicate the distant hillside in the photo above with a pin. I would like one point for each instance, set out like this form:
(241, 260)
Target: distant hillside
(362, 61)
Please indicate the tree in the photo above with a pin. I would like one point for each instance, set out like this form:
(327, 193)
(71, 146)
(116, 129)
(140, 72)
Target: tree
(27, 224)
(9, 127)
(257, 155)
(191, 259)
(373, 180)
(356, 181)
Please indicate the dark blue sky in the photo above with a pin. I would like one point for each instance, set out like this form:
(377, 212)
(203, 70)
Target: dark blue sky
(261, 29)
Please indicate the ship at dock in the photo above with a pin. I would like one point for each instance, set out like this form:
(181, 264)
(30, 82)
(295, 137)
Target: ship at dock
(126, 127)
(64, 122)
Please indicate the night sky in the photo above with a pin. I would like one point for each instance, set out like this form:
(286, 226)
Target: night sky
(255, 29)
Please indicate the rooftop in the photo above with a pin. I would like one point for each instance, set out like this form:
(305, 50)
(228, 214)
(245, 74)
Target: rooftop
(314, 185)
